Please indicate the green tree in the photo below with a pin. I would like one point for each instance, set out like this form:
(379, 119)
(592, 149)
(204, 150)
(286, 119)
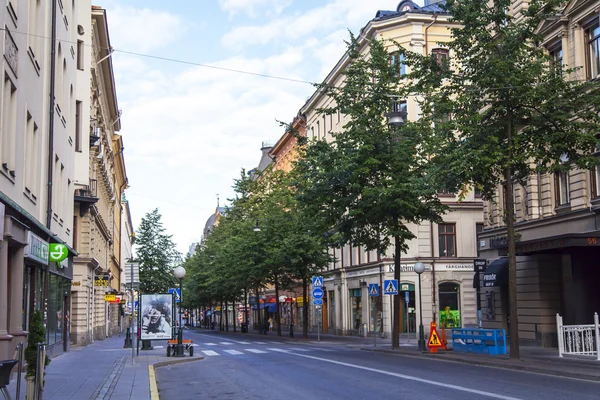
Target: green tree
(371, 180)
(156, 254)
(37, 334)
(514, 111)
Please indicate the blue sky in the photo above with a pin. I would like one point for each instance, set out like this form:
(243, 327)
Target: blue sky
(188, 130)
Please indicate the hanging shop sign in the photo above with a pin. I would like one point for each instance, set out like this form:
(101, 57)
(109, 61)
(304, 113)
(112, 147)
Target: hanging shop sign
(110, 297)
(57, 252)
(36, 249)
(101, 280)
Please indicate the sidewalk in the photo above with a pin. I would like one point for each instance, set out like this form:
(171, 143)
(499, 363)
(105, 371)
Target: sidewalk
(533, 359)
(102, 370)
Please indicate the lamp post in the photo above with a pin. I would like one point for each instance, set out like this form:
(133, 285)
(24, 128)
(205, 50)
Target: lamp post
(419, 269)
(179, 273)
(396, 120)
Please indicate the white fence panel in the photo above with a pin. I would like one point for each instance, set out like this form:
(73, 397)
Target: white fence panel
(578, 340)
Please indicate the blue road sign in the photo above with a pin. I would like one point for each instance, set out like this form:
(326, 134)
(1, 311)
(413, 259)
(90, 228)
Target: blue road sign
(135, 304)
(390, 286)
(373, 290)
(318, 293)
(317, 281)
(317, 302)
(177, 294)
(407, 297)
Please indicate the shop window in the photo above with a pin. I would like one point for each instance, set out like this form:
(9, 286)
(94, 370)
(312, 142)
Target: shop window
(376, 321)
(447, 240)
(356, 307)
(449, 304)
(331, 311)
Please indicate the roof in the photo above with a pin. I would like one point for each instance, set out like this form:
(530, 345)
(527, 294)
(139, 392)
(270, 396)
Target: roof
(408, 6)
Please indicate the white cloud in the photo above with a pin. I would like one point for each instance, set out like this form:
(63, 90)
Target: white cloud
(336, 14)
(142, 30)
(254, 8)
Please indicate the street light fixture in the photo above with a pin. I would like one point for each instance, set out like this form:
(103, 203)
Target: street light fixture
(256, 227)
(419, 269)
(179, 273)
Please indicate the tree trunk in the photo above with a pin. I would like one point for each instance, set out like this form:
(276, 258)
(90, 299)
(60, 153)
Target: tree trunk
(512, 256)
(305, 307)
(396, 302)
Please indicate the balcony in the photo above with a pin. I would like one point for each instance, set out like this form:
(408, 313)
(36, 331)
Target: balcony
(86, 196)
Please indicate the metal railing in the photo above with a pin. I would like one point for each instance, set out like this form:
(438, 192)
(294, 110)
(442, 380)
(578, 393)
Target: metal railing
(578, 340)
(88, 191)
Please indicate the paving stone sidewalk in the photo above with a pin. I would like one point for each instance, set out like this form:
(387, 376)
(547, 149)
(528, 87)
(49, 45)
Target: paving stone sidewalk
(101, 370)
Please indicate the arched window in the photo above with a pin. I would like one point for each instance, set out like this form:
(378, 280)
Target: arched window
(449, 293)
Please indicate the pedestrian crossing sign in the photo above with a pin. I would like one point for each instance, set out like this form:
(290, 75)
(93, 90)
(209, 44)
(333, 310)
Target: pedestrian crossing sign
(390, 286)
(373, 290)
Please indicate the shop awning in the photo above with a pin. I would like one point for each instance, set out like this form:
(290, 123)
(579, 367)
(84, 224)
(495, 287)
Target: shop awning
(272, 307)
(496, 273)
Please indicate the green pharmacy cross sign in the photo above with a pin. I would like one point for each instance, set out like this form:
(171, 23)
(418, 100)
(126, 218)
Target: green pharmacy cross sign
(57, 252)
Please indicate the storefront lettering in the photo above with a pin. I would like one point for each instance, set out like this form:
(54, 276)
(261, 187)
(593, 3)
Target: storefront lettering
(36, 249)
(502, 241)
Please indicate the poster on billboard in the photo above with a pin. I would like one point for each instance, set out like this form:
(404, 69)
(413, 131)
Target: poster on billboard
(157, 316)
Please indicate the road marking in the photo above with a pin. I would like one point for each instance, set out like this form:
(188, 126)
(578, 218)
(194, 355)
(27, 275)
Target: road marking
(233, 352)
(298, 349)
(226, 343)
(279, 350)
(159, 347)
(255, 351)
(241, 342)
(408, 377)
(210, 344)
(210, 353)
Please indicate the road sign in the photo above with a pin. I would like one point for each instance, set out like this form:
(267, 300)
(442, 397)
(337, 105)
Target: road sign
(177, 294)
(318, 293)
(373, 290)
(407, 297)
(317, 281)
(110, 297)
(434, 342)
(390, 286)
(317, 302)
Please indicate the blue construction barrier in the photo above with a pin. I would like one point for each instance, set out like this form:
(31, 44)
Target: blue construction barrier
(480, 341)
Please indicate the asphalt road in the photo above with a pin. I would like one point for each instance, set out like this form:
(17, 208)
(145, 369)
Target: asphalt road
(249, 366)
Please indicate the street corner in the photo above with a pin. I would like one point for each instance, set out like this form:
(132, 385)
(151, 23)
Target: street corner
(152, 372)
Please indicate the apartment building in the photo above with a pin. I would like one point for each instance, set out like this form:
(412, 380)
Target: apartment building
(448, 250)
(36, 168)
(100, 182)
(557, 222)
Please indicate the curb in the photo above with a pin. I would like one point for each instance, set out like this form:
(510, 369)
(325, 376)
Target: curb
(152, 373)
(485, 363)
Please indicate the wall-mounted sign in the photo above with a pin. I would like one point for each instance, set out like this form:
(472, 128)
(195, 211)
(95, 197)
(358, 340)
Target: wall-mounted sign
(57, 252)
(76, 283)
(110, 297)
(101, 280)
(36, 249)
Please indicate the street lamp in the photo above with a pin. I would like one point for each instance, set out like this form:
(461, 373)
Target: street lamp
(179, 273)
(256, 227)
(419, 269)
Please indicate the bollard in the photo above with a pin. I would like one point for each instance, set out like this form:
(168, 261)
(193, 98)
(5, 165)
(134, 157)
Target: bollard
(128, 342)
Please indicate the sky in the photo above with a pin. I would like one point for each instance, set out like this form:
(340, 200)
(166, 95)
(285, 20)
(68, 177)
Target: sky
(190, 122)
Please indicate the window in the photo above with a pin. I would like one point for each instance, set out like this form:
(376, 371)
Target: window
(318, 130)
(399, 106)
(449, 305)
(80, 55)
(478, 194)
(31, 174)
(592, 34)
(356, 308)
(9, 119)
(446, 193)
(556, 54)
(77, 125)
(442, 56)
(561, 188)
(397, 61)
(595, 182)
(447, 238)
(478, 230)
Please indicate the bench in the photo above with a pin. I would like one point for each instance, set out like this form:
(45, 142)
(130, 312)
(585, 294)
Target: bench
(479, 341)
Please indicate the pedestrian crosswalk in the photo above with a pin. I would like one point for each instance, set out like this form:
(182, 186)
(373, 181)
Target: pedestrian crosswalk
(213, 349)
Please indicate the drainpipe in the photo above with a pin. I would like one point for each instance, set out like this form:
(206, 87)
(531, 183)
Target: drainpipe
(426, 29)
(51, 117)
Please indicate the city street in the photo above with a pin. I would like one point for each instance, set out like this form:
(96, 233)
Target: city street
(237, 366)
